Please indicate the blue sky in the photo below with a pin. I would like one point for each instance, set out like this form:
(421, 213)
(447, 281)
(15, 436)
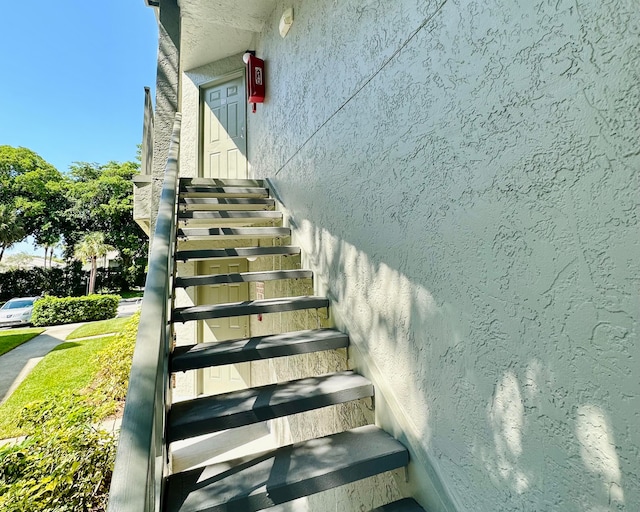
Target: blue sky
(73, 77)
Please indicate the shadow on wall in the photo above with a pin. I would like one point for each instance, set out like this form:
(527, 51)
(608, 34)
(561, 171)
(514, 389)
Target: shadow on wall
(166, 96)
(512, 413)
(498, 417)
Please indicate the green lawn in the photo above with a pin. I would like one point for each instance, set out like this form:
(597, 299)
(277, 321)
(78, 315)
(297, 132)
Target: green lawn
(96, 328)
(131, 294)
(66, 369)
(11, 338)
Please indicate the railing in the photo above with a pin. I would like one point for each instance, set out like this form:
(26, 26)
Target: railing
(140, 465)
(146, 151)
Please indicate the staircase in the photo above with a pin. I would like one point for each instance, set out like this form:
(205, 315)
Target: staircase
(211, 210)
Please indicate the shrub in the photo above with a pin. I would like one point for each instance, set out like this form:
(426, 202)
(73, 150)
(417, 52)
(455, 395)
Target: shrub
(66, 462)
(109, 389)
(55, 311)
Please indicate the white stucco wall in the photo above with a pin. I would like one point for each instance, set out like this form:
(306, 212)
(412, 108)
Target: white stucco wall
(167, 97)
(464, 177)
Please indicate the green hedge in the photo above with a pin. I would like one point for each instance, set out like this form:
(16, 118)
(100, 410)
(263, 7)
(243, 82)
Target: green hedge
(68, 310)
(60, 282)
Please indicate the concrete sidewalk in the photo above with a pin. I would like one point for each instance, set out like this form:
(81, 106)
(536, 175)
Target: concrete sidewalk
(16, 364)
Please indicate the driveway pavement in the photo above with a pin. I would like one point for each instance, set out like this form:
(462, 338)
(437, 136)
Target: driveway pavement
(128, 307)
(16, 364)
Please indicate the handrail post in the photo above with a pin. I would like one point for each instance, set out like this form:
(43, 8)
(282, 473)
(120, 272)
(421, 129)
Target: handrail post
(141, 459)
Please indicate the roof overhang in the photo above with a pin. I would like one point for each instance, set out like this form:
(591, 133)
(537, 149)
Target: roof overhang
(214, 29)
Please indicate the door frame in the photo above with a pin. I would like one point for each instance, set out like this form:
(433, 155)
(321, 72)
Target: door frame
(238, 73)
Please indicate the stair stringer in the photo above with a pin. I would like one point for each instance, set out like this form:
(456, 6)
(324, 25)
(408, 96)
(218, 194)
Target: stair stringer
(422, 479)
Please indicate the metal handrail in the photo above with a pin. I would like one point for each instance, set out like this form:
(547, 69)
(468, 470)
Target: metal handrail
(140, 465)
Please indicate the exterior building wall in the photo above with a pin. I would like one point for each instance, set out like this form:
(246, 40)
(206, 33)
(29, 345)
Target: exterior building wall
(463, 176)
(192, 81)
(167, 96)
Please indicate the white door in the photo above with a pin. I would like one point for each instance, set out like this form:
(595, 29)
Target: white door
(224, 142)
(220, 379)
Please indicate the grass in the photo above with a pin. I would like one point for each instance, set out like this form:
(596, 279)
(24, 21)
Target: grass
(12, 338)
(97, 328)
(132, 294)
(66, 460)
(67, 369)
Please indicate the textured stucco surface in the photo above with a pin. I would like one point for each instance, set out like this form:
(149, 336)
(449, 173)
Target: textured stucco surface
(167, 97)
(464, 177)
(142, 200)
(215, 29)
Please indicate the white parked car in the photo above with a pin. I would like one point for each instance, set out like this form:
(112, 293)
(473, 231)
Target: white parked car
(17, 311)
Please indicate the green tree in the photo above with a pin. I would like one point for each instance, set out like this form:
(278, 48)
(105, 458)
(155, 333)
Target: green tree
(101, 199)
(49, 243)
(91, 247)
(11, 230)
(35, 190)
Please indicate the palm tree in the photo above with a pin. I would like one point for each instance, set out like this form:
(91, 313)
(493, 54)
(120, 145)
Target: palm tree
(90, 248)
(11, 230)
(49, 247)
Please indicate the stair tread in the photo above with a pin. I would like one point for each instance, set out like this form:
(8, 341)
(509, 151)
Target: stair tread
(250, 307)
(258, 231)
(257, 201)
(243, 182)
(403, 505)
(242, 277)
(260, 481)
(202, 355)
(207, 254)
(230, 214)
(209, 414)
(231, 191)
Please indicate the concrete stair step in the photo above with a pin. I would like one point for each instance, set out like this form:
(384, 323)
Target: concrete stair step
(242, 277)
(209, 414)
(250, 307)
(238, 252)
(203, 355)
(403, 505)
(231, 232)
(260, 481)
